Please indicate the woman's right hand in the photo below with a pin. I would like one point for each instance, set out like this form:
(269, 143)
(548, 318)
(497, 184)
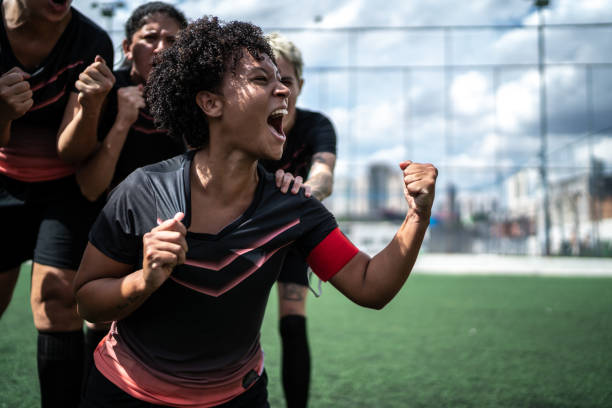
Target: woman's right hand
(130, 100)
(94, 83)
(15, 94)
(164, 247)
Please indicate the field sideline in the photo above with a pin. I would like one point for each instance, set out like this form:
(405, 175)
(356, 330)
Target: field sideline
(445, 341)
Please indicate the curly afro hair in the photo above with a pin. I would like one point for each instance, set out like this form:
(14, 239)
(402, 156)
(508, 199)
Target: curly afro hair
(197, 61)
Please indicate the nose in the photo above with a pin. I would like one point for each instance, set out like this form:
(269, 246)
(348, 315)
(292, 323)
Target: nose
(282, 90)
(159, 46)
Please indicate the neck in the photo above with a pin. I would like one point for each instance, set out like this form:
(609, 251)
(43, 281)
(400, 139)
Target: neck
(224, 177)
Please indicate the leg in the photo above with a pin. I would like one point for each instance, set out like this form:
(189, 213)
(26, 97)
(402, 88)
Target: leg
(60, 336)
(8, 279)
(62, 236)
(295, 351)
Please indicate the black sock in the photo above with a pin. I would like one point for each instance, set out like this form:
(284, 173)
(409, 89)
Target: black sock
(60, 368)
(296, 360)
(92, 339)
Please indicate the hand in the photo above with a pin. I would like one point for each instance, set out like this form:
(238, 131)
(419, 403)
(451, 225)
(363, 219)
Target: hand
(129, 100)
(419, 187)
(94, 83)
(15, 94)
(283, 180)
(164, 247)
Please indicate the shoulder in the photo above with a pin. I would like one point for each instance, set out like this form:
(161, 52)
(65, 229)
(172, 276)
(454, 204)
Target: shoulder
(313, 123)
(91, 37)
(305, 115)
(88, 26)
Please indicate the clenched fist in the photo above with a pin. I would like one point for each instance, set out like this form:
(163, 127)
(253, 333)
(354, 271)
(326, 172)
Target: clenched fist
(94, 83)
(419, 187)
(15, 94)
(164, 247)
(129, 100)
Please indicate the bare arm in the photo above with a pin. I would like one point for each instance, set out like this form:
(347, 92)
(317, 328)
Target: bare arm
(96, 174)
(78, 132)
(321, 176)
(108, 290)
(374, 282)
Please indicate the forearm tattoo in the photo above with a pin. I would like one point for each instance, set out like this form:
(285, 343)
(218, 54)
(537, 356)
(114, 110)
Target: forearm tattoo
(128, 302)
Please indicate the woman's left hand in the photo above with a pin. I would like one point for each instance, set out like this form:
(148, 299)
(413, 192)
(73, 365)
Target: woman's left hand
(283, 181)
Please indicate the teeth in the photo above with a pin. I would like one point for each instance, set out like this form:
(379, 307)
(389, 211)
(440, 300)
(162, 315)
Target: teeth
(279, 112)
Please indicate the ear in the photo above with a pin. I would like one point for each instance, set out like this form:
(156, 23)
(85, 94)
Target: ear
(300, 84)
(126, 49)
(210, 103)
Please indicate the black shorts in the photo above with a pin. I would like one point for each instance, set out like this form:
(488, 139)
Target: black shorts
(295, 268)
(45, 221)
(100, 393)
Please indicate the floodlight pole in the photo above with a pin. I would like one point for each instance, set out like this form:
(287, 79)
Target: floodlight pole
(543, 126)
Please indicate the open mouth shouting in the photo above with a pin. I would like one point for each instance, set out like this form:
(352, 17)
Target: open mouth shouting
(275, 122)
(59, 5)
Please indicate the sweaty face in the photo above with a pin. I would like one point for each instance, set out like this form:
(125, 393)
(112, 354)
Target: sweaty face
(157, 34)
(291, 81)
(254, 104)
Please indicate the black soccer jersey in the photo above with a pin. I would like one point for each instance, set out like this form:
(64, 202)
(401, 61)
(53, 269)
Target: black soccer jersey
(145, 143)
(31, 154)
(312, 133)
(200, 329)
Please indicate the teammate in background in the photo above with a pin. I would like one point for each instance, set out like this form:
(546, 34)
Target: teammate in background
(44, 46)
(310, 153)
(187, 295)
(130, 138)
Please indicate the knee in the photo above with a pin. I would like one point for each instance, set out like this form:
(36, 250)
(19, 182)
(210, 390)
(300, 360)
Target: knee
(52, 300)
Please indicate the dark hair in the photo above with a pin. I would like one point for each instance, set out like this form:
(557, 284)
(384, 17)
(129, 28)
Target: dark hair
(140, 14)
(197, 61)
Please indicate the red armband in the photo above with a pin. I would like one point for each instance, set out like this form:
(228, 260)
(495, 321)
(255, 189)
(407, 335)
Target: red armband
(331, 254)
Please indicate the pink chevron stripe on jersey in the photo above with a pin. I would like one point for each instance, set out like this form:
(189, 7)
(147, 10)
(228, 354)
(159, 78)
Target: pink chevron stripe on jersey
(147, 131)
(49, 101)
(218, 265)
(54, 77)
(216, 293)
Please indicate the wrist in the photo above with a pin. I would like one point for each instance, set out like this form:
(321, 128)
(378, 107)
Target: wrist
(416, 216)
(123, 123)
(91, 108)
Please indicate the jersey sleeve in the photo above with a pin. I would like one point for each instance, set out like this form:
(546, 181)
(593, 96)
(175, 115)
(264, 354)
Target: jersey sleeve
(127, 215)
(323, 135)
(325, 247)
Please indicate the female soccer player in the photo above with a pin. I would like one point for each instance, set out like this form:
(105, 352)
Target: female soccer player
(44, 45)
(130, 138)
(181, 259)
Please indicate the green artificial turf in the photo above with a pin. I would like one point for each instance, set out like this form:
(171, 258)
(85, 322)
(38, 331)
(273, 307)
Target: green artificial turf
(444, 341)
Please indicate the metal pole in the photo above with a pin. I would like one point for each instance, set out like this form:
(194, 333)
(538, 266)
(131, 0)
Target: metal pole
(543, 127)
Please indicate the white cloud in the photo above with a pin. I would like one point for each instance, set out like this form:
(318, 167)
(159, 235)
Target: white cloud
(518, 102)
(470, 93)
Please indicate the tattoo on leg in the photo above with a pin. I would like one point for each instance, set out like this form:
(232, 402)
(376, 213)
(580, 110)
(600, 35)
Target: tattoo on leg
(291, 291)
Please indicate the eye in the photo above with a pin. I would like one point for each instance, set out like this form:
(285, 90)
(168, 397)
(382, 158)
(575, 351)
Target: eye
(151, 37)
(260, 78)
(287, 82)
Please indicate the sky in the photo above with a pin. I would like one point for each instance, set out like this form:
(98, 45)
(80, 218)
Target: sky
(390, 98)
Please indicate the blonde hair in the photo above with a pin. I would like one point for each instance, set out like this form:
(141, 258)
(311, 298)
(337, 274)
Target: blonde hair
(284, 48)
